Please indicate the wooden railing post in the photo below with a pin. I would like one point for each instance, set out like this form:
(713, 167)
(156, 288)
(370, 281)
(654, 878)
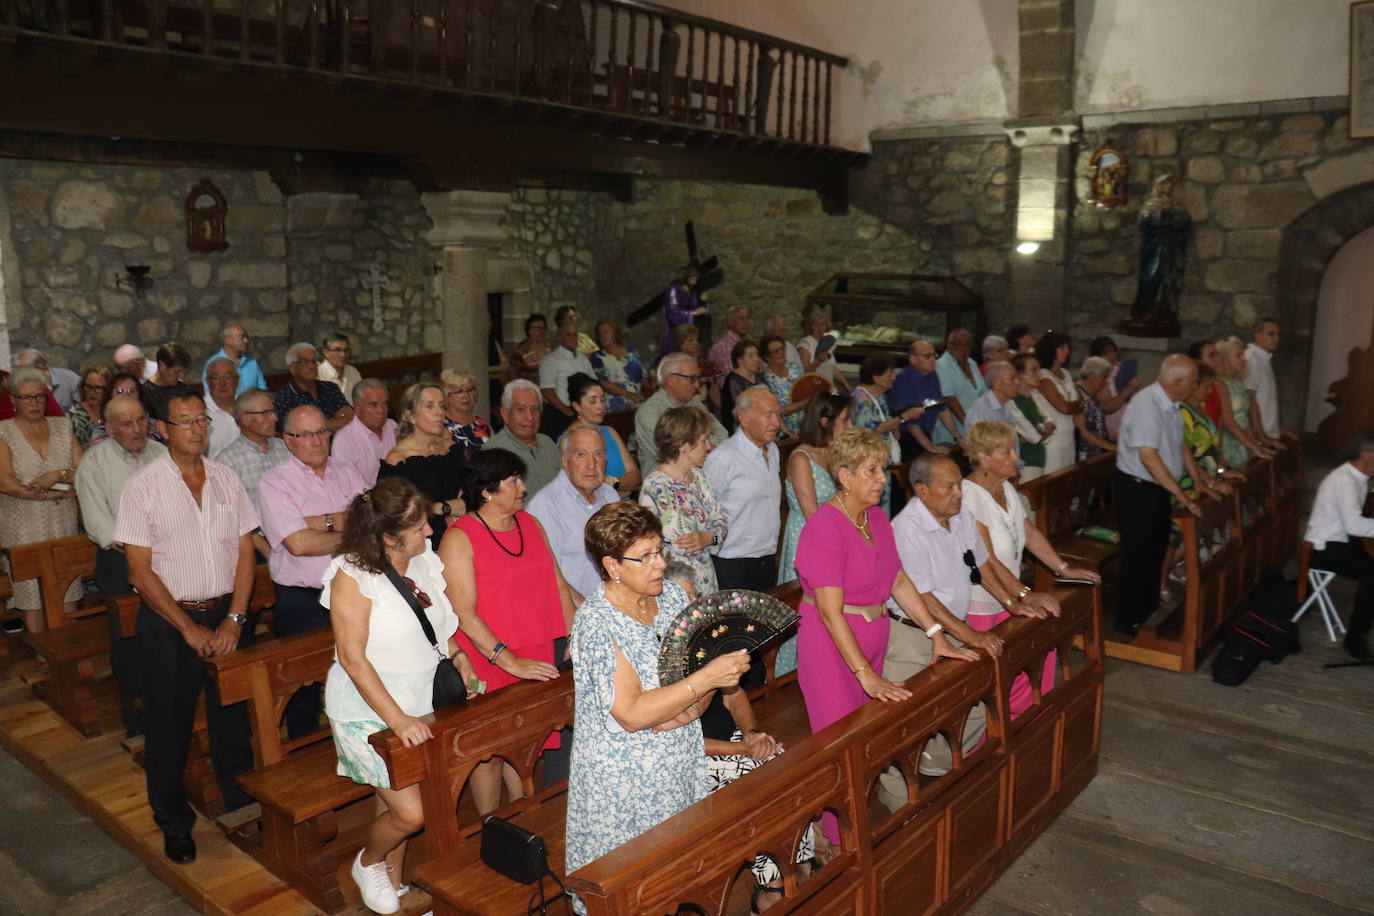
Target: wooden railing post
(245, 45)
(280, 54)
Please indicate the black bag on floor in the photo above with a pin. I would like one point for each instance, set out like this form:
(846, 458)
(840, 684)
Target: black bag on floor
(1263, 632)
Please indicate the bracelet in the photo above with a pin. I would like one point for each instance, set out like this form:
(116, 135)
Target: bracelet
(1008, 603)
(935, 629)
(1062, 566)
(1025, 590)
(855, 671)
(495, 651)
(456, 654)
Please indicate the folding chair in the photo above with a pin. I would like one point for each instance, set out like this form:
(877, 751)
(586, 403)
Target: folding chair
(1318, 579)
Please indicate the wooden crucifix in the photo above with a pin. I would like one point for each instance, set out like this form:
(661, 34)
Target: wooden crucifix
(378, 283)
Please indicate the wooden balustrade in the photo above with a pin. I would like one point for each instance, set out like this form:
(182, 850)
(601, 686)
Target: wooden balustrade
(626, 57)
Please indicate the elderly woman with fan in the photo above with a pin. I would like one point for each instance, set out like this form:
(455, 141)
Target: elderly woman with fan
(638, 753)
(848, 565)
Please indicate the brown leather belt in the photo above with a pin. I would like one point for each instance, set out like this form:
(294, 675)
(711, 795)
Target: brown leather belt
(905, 621)
(202, 605)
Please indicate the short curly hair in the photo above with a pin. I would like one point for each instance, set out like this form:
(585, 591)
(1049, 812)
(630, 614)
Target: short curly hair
(850, 448)
(986, 436)
(614, 529)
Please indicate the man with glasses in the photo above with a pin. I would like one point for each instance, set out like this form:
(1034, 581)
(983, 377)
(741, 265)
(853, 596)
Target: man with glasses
(305, 388)
(917, 383)
(334, 367)
(678, 382)
(104, 471)
(304, 504)
(185, 524)
(221, 387)
(235, 339)
(256, 450)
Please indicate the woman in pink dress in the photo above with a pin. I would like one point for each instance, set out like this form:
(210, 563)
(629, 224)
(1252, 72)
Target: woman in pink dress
(511, 599)
(848, 566)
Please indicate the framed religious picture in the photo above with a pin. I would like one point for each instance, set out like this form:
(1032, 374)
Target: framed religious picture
(1362, 69)
(1109, 170)
(205, 211)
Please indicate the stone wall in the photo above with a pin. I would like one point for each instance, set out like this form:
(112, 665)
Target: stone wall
(329, 267)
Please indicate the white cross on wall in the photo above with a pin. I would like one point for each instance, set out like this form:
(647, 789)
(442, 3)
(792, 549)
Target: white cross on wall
(377, 282)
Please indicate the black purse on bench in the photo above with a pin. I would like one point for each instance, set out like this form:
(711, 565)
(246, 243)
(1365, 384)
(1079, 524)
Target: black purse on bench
(449, 689)
(517, 854)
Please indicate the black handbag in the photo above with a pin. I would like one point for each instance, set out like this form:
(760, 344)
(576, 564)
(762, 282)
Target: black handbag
(518, 855)
(449, 689)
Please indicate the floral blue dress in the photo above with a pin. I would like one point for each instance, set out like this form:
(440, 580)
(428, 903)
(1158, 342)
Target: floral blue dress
(626, 371)
(623, 783)
(871, 412)
(787, 555)
(782, 390)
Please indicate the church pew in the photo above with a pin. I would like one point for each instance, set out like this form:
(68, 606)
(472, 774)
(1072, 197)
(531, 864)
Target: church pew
(1289, 500)
(1256, 512)
(952, 839)
(1070, 499)
(949, 842)
(1178, 637)
(56, 564)
(294, 782)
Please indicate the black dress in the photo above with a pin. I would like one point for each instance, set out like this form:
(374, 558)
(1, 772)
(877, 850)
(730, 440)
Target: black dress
(729, 394)
(439, 477)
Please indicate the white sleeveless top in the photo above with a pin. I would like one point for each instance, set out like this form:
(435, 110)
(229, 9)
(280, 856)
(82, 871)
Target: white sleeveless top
(1006, 528)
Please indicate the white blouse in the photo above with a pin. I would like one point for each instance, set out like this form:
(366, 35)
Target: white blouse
(396, 643)
(1006, 527)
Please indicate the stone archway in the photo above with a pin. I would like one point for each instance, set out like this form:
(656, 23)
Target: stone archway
(1309, 244)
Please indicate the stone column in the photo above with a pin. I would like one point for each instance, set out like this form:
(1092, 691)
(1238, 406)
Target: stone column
(466, 226)
(1044, 197)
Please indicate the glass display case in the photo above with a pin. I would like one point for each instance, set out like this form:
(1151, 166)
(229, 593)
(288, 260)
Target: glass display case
(874, 314)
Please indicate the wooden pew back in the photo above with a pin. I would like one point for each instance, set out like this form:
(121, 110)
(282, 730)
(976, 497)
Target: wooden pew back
(1078, 495)
(1256, 516)
(56, 564)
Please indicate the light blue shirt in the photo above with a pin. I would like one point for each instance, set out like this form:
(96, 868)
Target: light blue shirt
(955, 384)
(1152, 419)
(987, 407)
(564, 512)
(250, 373)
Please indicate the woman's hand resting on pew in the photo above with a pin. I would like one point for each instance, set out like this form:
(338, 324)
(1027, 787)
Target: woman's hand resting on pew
(413, 731)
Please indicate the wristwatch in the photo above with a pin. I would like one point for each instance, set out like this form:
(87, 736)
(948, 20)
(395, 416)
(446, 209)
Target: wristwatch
(328, 522)
(715, 540)
(240, 619)
(447, 509)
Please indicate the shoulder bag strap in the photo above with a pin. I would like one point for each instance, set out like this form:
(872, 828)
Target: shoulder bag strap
(414, 603)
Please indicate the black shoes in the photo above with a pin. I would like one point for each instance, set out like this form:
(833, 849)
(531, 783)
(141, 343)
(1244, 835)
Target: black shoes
(1358, 647)
(180, 848)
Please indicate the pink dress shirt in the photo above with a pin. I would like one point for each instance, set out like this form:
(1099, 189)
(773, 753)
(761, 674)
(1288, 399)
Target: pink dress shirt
(195, 546)
(360, 448)
(720, 356)
(288, 493)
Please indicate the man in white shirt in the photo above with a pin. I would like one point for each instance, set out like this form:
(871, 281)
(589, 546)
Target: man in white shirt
(221, 387)
(1259, 375)
(1337, 516)
(100, 479)
(336, 349)
(564, 506)
(562, 362)
(364, 442)
(129, 358)
(744, 473)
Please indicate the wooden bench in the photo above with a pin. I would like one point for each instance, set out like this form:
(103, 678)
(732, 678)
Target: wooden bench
(1067, 500)
(294, 782)
(956, 833)
(1289, 499)
(56, 564)
(1256, 514)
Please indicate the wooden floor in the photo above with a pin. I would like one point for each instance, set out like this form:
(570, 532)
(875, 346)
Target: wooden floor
(102, 781)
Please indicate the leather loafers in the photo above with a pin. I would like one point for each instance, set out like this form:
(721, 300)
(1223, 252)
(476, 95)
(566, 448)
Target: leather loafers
(180, 848)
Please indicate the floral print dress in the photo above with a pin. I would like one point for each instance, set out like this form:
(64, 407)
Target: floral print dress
(870, 412)
(683, 508)
(624, 783)
(781, 389)
(626, 371)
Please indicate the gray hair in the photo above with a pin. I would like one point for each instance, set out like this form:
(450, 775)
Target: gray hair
(334, 337)
(957, 332)
(229, 326)
(679, 572)
(922, 469)
(366, 385)
(565, 440)
(23, 375)
(994, 342)
(745, 400)
(221, 359)
(669, 363)
(243, 400)
(1094, 367)
(1176, 366)
(295, 348)
(508, 393)
(1360, 443)
(119, 402)
(771, 320)
(31, 357)
(998, 368)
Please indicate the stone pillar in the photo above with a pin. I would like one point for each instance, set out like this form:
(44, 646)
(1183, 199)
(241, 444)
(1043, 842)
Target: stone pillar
(466, 226)
(1044, 198)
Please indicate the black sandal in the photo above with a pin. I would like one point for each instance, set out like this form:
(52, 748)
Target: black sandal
(763, 889)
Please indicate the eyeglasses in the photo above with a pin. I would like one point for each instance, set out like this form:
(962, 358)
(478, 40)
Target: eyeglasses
(32, 398)
(974, 575)
(256, 413)
(418, 592)
(312, 434)
(190, 422)
(89, 387)
(301, 362)
(647, 558)
(690, 378)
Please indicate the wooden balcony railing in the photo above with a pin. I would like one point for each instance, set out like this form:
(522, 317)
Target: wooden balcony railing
(625, 57)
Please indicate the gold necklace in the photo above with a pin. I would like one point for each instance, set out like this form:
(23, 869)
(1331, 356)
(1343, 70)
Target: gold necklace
(635, 613)
(861, 527)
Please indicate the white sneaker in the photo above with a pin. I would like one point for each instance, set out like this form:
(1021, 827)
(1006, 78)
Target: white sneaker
(378, 894)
